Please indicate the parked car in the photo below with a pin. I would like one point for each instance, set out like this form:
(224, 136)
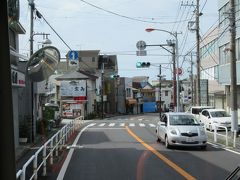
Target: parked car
(195, 110)
(218, 117)
(181, 129)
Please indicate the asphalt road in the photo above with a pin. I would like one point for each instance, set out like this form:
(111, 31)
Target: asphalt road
(125, 148)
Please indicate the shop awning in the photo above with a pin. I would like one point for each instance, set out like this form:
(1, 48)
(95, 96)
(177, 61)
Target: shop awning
(131, 101)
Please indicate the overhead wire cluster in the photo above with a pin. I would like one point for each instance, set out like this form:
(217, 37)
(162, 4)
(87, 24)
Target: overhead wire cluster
(181, 22)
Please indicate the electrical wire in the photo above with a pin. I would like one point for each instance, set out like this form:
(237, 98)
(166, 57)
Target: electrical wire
(41, 16)
(123, 16)
(178, 13)
(203, 5)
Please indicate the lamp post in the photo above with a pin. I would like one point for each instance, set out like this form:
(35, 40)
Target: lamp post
(176, 59)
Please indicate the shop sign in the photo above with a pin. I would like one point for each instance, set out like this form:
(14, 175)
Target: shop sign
(18, 78)
(76, 88)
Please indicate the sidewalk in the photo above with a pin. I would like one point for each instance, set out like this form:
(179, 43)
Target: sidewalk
(24, 152)
(222, 141)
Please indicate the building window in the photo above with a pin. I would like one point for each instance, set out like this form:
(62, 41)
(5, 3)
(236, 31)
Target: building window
(224, 56)
(128, 92)
(93, 59)
(12, 39)
(166, 93)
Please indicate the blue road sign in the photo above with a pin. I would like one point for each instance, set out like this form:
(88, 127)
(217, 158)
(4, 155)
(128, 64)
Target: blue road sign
(73, 55)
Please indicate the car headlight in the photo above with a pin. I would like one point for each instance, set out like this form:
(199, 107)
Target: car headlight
(173, 131)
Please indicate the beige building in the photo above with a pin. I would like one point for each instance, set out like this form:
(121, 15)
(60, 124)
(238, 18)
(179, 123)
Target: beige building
(209, 55)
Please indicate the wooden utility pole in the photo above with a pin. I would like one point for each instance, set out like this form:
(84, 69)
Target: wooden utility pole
(102, 89)
(233, 87)
(198, 95)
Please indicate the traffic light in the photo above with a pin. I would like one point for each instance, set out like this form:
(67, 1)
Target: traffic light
(143, 64)
(114, 76)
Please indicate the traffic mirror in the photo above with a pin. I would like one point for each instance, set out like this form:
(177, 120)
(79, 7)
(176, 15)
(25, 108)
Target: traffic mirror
(43, 63)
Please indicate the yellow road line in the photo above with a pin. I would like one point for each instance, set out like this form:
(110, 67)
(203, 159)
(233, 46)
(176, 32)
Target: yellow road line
(160, 156)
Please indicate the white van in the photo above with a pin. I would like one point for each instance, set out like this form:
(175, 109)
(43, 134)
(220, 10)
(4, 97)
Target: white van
(195, 110)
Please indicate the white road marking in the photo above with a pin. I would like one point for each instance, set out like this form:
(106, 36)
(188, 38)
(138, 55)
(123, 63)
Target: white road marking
(122, 124)
(105, 128)
(140, 119)
(69, 156)
(92, 124)
(111, 124)
(152, 125)
(221, 147)
(102, 124)
(141, 125)
(131, 124)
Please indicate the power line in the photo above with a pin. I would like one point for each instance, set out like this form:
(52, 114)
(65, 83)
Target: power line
(123, 16)
(204, 5)
(41, 16)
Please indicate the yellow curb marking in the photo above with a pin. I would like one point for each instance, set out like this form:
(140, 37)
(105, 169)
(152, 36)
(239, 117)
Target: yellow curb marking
(160, 156)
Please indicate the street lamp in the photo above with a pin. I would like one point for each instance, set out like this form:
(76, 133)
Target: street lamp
(176, 58)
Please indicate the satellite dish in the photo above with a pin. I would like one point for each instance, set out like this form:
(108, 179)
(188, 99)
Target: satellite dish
(43, 63)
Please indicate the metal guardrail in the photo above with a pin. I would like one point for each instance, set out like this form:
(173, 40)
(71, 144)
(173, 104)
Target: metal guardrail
(225, 136)
(37, 162)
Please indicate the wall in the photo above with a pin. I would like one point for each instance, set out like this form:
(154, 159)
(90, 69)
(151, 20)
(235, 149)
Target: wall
(149, 107)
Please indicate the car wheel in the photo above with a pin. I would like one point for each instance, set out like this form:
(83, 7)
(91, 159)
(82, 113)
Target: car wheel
(158, 139)
(166, 143)
(203, 147)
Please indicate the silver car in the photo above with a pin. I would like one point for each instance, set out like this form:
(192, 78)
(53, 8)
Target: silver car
(181, 129)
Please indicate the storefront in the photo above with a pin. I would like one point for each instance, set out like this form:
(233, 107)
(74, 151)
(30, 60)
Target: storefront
(73, 98)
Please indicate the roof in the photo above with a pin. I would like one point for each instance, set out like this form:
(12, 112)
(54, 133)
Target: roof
(72, 76)
(141, 85)
(93, 77)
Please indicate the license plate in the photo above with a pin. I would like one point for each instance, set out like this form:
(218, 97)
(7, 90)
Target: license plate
(189, 140)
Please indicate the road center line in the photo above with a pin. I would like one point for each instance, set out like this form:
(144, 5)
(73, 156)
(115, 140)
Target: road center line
(160, 156)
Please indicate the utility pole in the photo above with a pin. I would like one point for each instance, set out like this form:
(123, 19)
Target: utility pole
(191, 77)
(190, 23)
(174, 75)
(233, 86)
(32, 7)
(102, 83)
(160, 87)
(198, 95)
(8, 169)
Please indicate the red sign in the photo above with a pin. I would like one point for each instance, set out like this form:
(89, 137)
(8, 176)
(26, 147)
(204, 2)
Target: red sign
(79, 98)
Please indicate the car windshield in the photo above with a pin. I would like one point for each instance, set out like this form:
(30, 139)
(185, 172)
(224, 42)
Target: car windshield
(183, 120)
(219, 114)
(198, 110)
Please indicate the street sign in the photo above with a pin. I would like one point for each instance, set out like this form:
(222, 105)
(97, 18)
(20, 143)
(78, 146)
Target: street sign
(141, 45)
(73, 55)
(141, 53)
(73, 58)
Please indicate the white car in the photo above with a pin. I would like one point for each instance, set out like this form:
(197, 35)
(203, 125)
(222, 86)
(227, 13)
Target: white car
(218, 117)
(181, 129)
(195, 110)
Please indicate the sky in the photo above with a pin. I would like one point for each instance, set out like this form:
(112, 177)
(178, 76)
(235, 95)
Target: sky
(114, 27)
